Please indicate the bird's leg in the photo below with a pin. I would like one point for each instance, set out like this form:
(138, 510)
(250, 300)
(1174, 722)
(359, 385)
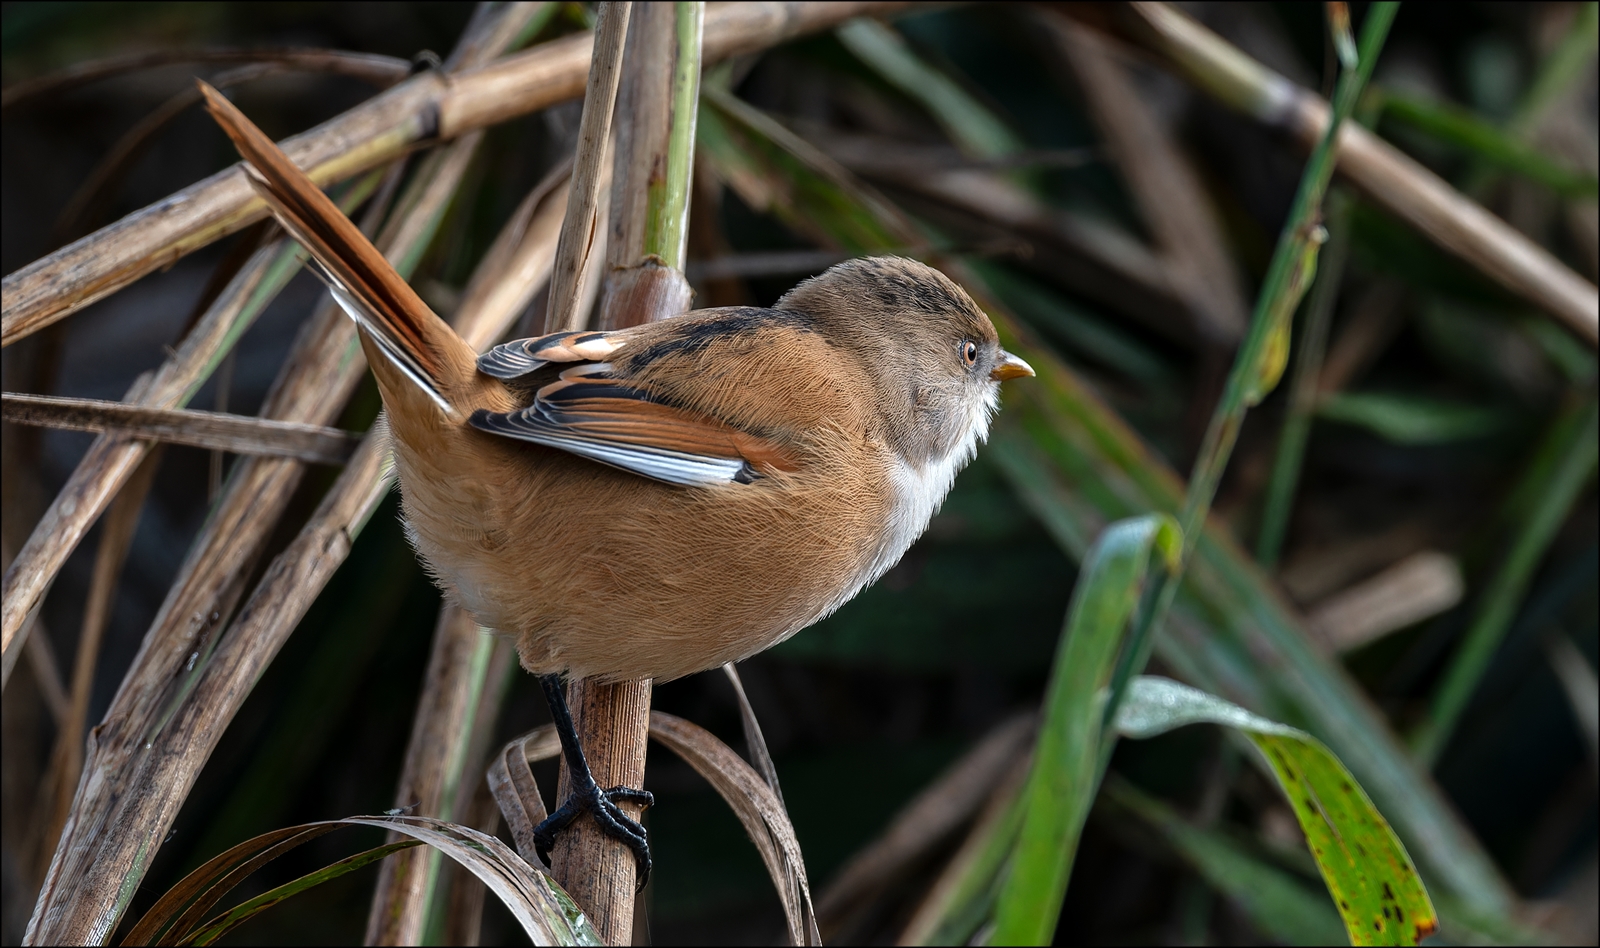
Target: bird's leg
(586, 795)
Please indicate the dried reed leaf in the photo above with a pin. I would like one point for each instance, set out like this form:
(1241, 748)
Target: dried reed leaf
(421, 109)
(238, 434)
(952, 799)
(757, 807)
(755, 741)
(546, 915)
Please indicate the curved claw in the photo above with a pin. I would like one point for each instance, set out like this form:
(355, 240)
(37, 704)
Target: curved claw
(602, 806)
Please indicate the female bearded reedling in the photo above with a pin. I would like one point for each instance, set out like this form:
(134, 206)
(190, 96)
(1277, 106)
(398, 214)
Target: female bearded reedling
(656, 501)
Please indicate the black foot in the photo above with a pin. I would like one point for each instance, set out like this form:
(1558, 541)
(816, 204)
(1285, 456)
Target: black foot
(587, 797)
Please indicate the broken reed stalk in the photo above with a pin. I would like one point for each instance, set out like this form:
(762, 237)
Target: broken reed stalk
(1383, 173)
(422, 110)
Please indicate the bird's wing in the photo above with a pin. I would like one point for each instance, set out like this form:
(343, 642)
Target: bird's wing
(589, 413)
(513, 360)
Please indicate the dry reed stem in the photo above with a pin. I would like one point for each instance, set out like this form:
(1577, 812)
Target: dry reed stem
(1165, 185)
(66, 760)
(1379, 170)
(218, 431)
(755, 741)
(937, 811)
(594, 133)
(422, 109)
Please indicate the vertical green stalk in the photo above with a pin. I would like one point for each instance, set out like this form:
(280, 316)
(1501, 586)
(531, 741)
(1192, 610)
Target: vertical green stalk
(1261, 357)
(1563, 466)
(1303, 395)
(667, 224)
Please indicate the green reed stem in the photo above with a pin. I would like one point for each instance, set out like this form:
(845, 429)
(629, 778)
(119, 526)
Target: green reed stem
(1252, 376)
(667, 226)
(1303, 394)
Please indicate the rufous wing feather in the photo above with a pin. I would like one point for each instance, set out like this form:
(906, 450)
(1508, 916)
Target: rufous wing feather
(366, 286)
(591, 415)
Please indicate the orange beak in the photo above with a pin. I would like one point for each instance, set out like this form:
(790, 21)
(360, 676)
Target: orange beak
(1010, 367)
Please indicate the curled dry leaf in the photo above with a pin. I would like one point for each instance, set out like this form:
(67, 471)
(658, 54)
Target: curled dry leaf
(757, 807)
(755, 803)
(512, 784)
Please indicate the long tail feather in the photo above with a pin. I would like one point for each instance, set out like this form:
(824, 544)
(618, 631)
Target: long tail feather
(420, 344)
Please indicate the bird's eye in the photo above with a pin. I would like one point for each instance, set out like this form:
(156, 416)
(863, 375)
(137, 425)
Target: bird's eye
(969, 352)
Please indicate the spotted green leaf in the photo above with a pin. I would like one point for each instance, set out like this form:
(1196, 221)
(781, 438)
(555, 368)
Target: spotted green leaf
(1372, 880)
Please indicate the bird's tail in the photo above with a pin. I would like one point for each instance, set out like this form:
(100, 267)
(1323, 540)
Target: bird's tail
(413, 339)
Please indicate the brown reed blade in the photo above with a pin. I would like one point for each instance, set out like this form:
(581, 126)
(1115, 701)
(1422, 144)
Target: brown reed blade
(514, 789)
(421, 109)
(237, 434)
(757, 807)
